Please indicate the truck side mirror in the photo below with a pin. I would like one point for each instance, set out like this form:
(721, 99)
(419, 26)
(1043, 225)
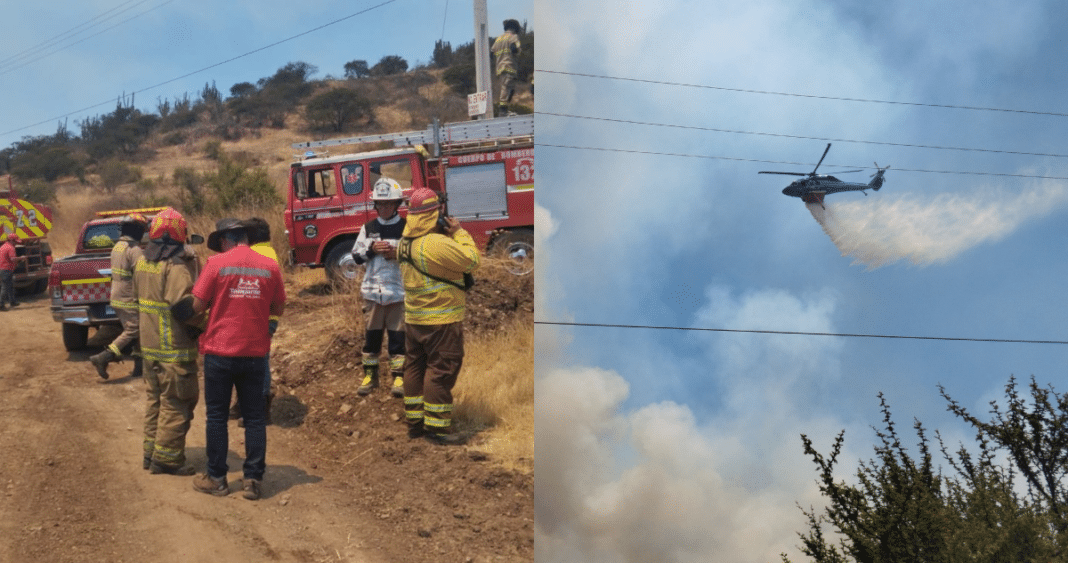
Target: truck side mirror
(196, 239)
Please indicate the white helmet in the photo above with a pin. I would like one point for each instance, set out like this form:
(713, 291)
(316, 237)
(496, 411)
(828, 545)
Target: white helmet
(386, 189)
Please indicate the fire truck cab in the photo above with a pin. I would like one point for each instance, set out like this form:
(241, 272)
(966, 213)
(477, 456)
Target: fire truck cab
(488, 184)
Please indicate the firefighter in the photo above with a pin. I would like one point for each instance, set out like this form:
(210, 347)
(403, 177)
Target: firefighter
(124, 255)
(8, 262)
(382, 288)
(435, 255)
(162, 278)
(505, 49)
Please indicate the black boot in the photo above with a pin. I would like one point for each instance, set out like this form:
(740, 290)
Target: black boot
(100, 362)
(138, 369)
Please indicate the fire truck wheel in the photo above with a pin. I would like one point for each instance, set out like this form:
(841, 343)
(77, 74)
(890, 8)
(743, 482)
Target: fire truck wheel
(340, 267)
(516, 247)
(75, 336)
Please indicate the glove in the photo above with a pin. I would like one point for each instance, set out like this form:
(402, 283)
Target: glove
(272, 326)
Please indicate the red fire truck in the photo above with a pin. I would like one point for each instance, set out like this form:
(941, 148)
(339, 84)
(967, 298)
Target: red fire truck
(30, 222)
(484, 168)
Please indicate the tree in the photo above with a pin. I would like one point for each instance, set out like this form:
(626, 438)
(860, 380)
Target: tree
(461, 78)
(390, 64)
(242, 90)
(442, 57)
(336, 108)
(118, 133)
(279, 93)
(903, 509)
(357, 69)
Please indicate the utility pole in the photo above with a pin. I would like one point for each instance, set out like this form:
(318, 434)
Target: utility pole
(483, 77)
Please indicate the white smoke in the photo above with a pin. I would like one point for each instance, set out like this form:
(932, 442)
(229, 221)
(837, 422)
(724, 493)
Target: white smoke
(657, 484)
(879, 231)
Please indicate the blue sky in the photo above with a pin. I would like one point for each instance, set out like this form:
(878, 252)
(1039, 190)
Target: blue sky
(671, 445)
(62, 57)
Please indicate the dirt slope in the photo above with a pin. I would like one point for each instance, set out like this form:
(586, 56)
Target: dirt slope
(72, 488)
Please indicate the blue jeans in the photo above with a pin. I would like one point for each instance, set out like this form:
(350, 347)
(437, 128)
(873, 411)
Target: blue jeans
(222, 375)
(7, 287)
(267, 375)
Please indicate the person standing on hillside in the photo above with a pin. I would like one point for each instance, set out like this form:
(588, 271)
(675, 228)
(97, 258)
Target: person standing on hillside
(435, 254)
(8, 261)
(244, 289)
(382, 288)
(162, 277)
(505, 49)
(124, 256)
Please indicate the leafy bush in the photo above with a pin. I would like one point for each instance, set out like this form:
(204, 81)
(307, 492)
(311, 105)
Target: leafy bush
(118, 133)
(390, 64)
(336, 108)
(38, 191)
(904, 509)
(234, 184)
(190, 189)
(461, 78)
(213, 149)
(113, 173)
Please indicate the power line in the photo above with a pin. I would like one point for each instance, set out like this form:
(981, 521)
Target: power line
(57, 38)
(783, 135)
(15, 59)
(653, 153)
(802, 333)
(796, 95)
(444, 18)
(187, 75)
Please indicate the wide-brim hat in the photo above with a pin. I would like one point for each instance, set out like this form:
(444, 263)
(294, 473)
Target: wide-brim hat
(222, 226)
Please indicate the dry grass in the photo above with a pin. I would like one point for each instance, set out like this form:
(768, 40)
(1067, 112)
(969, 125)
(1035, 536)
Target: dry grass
(496, 390)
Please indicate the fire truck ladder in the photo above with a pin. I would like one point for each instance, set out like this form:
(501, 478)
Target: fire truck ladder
(437, 135)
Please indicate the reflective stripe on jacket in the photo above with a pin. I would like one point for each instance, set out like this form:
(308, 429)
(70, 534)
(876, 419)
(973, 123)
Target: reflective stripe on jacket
(158, 285)
(124, 256)
(428, 301)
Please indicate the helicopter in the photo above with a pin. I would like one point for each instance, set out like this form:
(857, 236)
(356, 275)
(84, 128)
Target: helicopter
(814, 187)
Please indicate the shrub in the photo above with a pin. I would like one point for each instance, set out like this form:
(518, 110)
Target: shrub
(461, 78)
(357, 69)
(336, 108)
(390, 64)
(113, 173)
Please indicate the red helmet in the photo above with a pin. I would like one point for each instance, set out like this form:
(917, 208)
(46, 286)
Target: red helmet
(424, 200)
(168, 223)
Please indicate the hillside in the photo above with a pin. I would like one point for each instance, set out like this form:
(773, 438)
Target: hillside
(338, 452)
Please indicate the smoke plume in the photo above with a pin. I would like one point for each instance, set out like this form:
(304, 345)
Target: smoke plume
(880, 231)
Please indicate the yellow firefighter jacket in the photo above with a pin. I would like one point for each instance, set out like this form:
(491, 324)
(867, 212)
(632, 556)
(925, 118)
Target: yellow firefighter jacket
(124, 256)
(505, 49)
(158, 285)
(428, 301)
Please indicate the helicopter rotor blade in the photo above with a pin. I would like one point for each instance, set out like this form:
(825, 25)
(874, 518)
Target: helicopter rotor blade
(813, 173)
(786, 173)
(848, 171)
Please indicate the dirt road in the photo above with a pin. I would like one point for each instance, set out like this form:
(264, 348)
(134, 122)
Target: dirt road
(72, 488)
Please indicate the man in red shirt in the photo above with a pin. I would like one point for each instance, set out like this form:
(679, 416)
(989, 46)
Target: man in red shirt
(244, 289)
(8, 260)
